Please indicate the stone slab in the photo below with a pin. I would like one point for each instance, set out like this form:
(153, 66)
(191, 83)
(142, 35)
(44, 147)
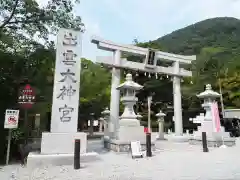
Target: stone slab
(213, 135)
(62, 143)
(36, 159)
(175, 138)
(213, 143)
(124, 146)
(131, 133)
(161, 138)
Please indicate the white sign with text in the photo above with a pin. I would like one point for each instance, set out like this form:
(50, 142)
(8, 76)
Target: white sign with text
(136, 149)
(11, 119)
(66, 82)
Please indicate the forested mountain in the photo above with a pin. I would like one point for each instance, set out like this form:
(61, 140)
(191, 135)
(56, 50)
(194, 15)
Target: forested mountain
(216, 42)
(216, 32)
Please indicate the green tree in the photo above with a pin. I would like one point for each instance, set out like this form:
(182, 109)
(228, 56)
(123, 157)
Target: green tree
(23, 25)
(94, 89)
(231, 92)
(24, 19)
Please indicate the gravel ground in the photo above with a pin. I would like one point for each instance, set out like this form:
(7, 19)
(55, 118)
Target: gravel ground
(172, 161)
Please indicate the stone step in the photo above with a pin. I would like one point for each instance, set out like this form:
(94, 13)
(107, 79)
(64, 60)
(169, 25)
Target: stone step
(35, 159)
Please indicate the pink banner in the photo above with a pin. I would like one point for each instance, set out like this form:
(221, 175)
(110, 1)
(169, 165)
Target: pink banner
(216, 118)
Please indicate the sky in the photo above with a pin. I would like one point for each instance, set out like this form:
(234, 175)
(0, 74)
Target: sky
(122, 21)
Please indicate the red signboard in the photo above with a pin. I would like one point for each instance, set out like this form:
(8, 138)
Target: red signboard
(26, 96)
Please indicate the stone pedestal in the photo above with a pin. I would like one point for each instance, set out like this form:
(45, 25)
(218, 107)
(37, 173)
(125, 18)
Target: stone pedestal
(126, 133)
(123, 144)
(160, 117)
(214, 139)
(36, 159)
(160, 130)
(131, 133)
(176, 138)
(101, 125)
(58, 149)
(106, 122)
(62, 143)
(124, 137)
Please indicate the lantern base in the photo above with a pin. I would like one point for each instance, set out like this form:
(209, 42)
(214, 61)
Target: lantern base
(125, 135)
(128, 133)
(124, 146)
(178, 138)
(214, 139)
(127, 122)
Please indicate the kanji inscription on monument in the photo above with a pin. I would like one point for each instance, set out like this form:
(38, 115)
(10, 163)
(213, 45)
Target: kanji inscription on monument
(66, 82)
(68, 75)
(69, 57)
(66, 92)
(65, 113)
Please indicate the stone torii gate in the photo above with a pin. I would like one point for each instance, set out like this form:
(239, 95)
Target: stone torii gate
(150, 66)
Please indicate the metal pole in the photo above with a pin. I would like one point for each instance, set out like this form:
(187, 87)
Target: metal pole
(77, 148)
(148, 145)
(204, 142)
(26, 125)
(8, 146)
(149, 113)
(221, 97)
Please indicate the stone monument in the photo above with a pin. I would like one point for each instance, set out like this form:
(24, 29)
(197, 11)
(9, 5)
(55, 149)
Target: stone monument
(57, 146)
(160, 117)
(129, 126)
(215, 136)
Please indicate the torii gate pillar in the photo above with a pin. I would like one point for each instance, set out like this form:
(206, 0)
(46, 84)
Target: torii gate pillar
(115, 96)
(177, 101)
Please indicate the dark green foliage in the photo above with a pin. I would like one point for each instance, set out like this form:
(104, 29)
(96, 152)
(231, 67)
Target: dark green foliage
(216, 42)
(216, 32)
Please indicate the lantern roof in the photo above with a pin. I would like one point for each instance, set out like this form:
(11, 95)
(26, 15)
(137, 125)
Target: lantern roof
(129, 84)
(160, 114)
(208, 93)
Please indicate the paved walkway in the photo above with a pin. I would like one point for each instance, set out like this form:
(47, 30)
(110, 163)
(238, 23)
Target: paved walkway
(173, 161)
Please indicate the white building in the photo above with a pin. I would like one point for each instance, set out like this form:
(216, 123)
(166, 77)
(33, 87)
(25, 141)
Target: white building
(232, 113)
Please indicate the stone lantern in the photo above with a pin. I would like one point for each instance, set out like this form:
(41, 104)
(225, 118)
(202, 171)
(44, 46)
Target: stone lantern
(106, 115)
(129, 124)
(208, 123)
(209, 97)
(129, 88)
(129, 128)
(160, 117)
